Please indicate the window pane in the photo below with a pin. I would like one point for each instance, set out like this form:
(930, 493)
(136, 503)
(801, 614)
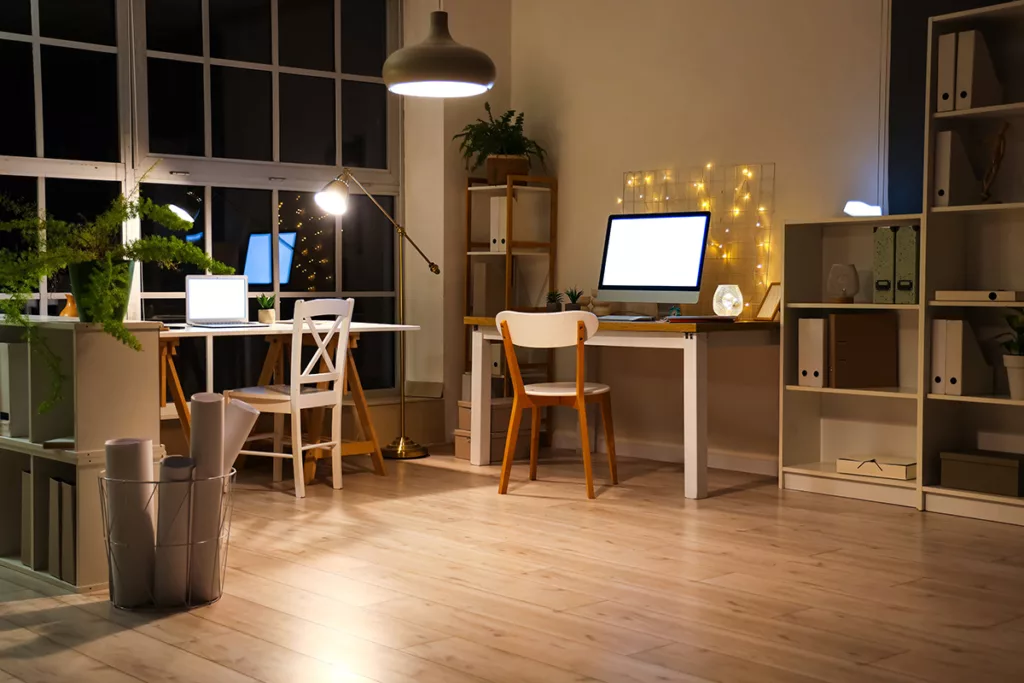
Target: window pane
(80, 104)
(190, 200)
(190, 359)
(23, 191)
(306, 34)
(305, 244)
(367, 246)
(364, 36)
(240, 29)
(176, 108)
(77, 201)
(307, 120)
(175, 26)
(242, 116)
(18, 113)
(16, 17)
(241, 233)
(364, 127)
(375, 355)
(87, 21)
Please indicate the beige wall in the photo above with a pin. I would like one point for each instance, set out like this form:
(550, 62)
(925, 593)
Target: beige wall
(610, 86)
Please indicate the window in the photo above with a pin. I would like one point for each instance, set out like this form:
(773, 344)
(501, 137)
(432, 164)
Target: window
(243, 109)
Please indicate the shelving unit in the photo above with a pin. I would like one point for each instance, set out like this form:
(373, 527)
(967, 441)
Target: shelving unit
(865, 306)
(967, 247)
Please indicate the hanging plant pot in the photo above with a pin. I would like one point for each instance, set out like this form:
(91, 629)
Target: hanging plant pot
(500, 166)
(86, 276)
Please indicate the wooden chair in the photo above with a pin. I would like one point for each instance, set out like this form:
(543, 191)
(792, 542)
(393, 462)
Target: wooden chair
(317, 384)
(551, 331)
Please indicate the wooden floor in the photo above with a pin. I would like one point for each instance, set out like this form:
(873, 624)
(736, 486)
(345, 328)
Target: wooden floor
(428, 576)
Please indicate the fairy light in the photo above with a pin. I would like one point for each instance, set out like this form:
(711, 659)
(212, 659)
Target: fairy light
(735, 211)
(618, 200)
(705, 205)
(648, 180)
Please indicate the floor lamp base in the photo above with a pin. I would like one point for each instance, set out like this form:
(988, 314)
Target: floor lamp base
(404, 448)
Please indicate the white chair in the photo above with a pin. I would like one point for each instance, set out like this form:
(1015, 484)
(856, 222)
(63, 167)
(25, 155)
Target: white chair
(552, 331)
(317, 384)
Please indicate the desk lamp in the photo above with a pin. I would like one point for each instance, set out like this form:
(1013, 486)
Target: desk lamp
(333, 198)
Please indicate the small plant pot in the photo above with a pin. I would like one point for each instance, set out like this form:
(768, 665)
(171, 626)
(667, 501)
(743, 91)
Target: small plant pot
(1015, 376)
(554, 308)
(500, 166)
(267, 316)
(573, 307)
(81, 275)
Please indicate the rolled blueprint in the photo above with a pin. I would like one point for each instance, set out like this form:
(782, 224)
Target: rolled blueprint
(130, 508)
(239, 419)
(170, 581)
(207, 448)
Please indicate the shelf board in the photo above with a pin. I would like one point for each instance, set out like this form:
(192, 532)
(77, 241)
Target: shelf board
(990, 400)
(974, 495)
(502, 253)
(897, 392)
(998, 111)
(979, 208)
(866, 221)
(503, 188)
(15, 564)
(977, 304)
(828, 471)
(867, 306)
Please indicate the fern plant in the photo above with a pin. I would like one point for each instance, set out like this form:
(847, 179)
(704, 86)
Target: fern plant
(93, 250)
(502, 135)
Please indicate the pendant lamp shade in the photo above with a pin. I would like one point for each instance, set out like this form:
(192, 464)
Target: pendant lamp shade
(439, 67)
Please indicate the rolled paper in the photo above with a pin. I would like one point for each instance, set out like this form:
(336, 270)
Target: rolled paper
(207, 448)
(170, 581)
(239, 419)
(131, 494)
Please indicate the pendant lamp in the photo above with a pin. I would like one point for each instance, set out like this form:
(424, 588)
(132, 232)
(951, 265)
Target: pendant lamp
(439, 67)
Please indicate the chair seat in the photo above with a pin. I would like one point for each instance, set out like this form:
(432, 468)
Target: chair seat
(271, 392)
(564, 389)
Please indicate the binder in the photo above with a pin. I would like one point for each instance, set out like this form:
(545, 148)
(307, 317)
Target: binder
(955, 182)
(53, 556)
(976, 81)
(26, 520)
(67, 532)
(863, 350)
(884, 266)
(939, 356)
(907, 263)
(944, 95)
(812, 370)
(967, 373)
(496, 351)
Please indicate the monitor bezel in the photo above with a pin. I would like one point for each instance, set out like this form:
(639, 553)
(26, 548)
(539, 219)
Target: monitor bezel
(640, 288)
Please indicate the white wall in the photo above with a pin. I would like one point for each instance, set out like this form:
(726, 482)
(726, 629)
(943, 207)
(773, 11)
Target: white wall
(614, 85)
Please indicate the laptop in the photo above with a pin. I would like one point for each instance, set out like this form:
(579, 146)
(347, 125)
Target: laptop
(217, 301)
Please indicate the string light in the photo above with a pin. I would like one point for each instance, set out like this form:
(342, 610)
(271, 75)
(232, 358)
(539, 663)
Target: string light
(619, 200)
(735, 211)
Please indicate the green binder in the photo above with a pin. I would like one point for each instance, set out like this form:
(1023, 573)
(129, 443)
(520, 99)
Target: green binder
(884, 266)
(908, 239)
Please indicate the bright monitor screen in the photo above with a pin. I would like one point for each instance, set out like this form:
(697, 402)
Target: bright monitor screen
(655, 257)
(216, 297)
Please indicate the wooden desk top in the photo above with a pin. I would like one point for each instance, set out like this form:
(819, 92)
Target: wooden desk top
(678, 328)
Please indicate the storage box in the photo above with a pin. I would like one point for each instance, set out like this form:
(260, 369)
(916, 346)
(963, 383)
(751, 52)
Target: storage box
(883, 467)
(501, 413)
(497, 445)
(983, 471)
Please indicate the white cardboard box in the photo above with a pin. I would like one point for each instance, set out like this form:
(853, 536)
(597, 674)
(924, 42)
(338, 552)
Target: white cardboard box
(880, 467)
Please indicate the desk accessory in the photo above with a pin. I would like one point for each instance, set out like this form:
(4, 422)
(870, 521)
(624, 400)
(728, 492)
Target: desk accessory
(728, 301)
(843, 283)
(863, 350)
(333, 198)
(978, 295)
(812, 337)
(884, 266)
(907, 263)
(769, 308)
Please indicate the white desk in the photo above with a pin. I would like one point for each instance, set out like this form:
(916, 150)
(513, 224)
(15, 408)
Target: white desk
(190, 331)
(690, 338)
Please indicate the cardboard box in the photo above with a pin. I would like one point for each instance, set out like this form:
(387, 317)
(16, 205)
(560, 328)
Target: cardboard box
(882, 467)
(497, 446)
(501, 413)
(983, 471)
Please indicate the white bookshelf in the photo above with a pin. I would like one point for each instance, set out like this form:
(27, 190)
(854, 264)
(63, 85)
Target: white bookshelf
(977, 246)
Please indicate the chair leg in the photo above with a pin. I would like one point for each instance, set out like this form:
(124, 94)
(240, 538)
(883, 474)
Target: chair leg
(588, 471)
(534, 441)
(297, 469)
(336, 448)
(278, 445)
(609, 434)
(510, 445)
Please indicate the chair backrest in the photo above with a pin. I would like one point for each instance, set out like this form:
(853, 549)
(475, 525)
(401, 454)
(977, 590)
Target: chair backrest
(336, 318)
(546, 330)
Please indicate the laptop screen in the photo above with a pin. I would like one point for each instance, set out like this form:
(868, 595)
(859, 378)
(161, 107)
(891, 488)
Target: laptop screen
(216, 298)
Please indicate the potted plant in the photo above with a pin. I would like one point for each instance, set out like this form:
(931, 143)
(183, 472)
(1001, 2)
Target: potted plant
(100, 264)
(267, 315)
(554, 301)
(500, 144)
(573, 295)
(1014, 358)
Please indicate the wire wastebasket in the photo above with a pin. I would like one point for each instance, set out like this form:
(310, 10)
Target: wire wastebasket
(166, 541)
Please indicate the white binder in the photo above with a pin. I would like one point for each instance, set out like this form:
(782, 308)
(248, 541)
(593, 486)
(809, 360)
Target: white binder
(812, 370)
(939, 356)
(976, 82)
(954, 178)
(945, 96)
(967, 373)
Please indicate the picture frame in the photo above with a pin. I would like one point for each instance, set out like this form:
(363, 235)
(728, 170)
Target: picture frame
(769, 308)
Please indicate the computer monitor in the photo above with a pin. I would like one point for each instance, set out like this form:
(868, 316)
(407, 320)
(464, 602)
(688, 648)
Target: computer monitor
(654, 257)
